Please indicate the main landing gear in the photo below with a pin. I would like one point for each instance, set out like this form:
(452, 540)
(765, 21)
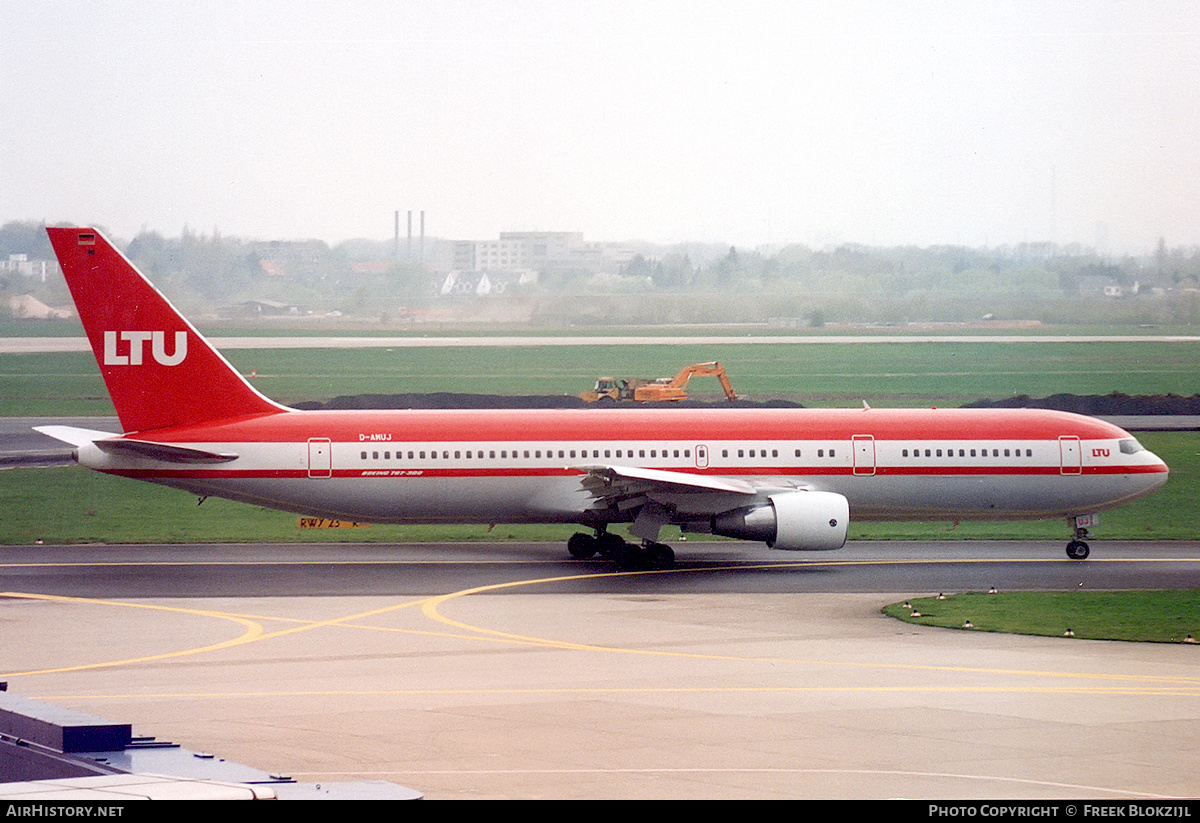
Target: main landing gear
(628, 556)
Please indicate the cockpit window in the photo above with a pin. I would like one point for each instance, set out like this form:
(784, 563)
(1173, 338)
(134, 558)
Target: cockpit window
(1130, 446)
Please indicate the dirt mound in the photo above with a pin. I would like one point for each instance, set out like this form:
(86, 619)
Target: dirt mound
(1108, 405)
(449, 400)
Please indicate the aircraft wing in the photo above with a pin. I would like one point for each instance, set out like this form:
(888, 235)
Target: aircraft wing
(605, 481)
(654, 497)
(627, 487)
(130, 447)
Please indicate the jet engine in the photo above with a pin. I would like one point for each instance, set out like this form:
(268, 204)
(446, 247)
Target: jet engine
(794, 521)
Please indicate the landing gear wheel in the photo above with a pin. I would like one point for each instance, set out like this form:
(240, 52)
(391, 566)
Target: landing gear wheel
(659, 555)
(581, 546)
(648, 556)
(609, 545)
(629, 557)
(1078, 550)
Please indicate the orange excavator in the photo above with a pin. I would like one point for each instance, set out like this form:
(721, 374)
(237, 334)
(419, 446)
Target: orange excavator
(611, 390)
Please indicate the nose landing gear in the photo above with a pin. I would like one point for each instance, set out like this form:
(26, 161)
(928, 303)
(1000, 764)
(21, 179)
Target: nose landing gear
(1077, 549)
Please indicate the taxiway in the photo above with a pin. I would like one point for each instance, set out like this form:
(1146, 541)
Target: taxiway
(492, 671)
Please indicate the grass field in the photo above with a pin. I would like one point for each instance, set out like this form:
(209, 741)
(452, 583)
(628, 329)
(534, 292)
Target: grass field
(1154, 616)
(896, 374)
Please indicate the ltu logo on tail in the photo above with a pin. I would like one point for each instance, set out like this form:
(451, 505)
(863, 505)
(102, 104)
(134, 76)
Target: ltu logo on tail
(137, 347)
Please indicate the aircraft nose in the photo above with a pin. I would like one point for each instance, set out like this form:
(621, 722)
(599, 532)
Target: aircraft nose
(1159, 472)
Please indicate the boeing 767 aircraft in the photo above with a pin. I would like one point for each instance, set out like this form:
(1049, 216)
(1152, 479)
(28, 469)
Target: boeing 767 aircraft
(791, 478)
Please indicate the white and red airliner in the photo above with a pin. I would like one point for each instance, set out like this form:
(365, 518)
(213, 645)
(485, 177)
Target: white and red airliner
(791, 478)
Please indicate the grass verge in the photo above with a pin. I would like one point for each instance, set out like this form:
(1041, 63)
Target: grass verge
(1145, 616)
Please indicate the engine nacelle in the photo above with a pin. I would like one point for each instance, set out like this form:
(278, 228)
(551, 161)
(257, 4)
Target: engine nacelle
(794, 521)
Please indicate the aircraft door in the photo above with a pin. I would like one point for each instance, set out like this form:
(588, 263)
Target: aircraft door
(1071, 453)
(702, 457)
(320, 457)
(864, 454)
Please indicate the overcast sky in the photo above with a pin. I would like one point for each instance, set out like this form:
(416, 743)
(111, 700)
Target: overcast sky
(974, 123)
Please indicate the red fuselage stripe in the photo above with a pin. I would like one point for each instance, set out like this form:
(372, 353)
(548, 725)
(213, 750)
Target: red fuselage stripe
(764, 471)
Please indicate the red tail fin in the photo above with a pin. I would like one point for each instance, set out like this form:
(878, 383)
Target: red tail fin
(160, 372)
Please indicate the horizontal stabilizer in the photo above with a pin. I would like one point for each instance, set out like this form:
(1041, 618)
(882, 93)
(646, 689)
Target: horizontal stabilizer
(162, 451)
(126, 447)
(73, 434)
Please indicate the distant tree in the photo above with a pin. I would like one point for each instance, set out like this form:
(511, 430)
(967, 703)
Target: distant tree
(674, 272)
(641, 266)
(728, 269)
(25, 237)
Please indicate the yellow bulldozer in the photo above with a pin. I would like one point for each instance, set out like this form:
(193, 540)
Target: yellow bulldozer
(611, 390)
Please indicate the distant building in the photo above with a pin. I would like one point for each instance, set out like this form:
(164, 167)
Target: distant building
(538, 250)
(21, 264)
(1113, 288)
(483, 282)
(268, 308)
(546, 246)
(290, 258)
(511, 251)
